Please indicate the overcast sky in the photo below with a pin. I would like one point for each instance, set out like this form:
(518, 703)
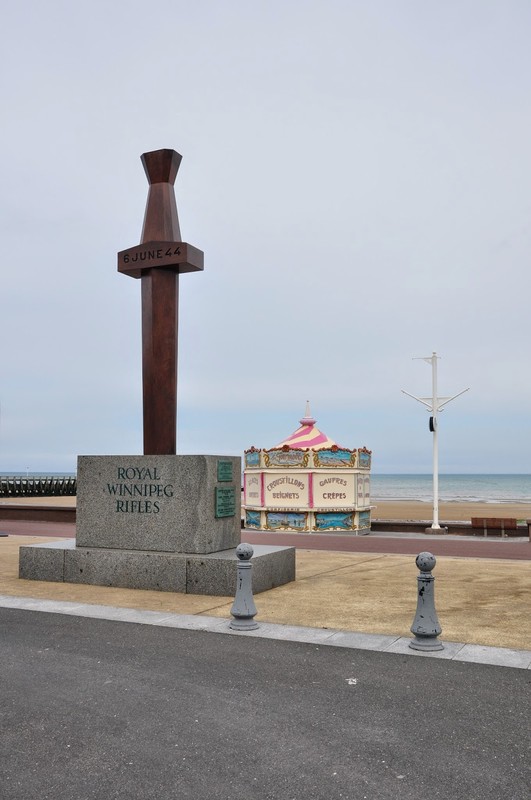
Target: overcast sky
(358, 175)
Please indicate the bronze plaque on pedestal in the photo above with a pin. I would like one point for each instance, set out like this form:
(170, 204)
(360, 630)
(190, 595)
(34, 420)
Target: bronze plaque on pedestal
(225, 501)
(225, 471)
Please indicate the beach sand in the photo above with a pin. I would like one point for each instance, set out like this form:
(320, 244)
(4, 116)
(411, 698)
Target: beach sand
(448, 512)
(479, 601)
(396, 509)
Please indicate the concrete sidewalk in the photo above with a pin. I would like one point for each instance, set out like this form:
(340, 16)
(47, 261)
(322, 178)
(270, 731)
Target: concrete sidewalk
(351, 599)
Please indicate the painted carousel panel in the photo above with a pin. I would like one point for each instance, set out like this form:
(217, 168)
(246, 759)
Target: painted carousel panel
(364, 519)
(364, 458)
(285, 520)
(283, 457)
(252, 519)
(334, 520)
(252, 458)
(334, 458)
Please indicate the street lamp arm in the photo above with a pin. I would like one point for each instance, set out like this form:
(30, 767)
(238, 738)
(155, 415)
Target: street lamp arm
(419, 400)
(439, 407)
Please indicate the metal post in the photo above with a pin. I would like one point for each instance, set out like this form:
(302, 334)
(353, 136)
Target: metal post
(434, 404)
(435, 523)
(244, 609)
(426, 625)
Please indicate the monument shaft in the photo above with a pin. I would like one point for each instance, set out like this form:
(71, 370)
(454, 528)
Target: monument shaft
(158, 260)
(160, 315)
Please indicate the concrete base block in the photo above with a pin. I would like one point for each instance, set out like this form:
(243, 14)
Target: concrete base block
(126, 569)
(210, 574)
(42, 563)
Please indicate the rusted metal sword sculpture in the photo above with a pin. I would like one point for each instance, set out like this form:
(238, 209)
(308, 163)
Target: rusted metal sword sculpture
(158, 260)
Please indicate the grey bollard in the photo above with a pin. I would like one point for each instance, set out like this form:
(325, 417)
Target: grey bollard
(426, 625)
(243, 609)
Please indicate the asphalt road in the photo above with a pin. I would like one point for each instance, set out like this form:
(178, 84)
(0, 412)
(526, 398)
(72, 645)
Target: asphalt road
(98, 709)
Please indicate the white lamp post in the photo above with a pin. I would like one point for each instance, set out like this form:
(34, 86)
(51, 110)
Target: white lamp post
(434, 404)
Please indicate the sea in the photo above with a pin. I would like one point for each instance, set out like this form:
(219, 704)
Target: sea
(453, 488)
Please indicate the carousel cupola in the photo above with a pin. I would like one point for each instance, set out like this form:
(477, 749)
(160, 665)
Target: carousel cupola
(308, 435)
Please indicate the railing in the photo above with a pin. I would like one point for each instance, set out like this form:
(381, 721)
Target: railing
(37, 487)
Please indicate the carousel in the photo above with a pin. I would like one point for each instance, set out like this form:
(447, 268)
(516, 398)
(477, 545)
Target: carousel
(307, 483)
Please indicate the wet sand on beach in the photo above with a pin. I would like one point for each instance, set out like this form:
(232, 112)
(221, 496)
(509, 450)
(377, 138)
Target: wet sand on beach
(448, 512)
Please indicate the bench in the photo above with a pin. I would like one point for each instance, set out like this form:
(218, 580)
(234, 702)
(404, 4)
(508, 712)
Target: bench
(493, 526)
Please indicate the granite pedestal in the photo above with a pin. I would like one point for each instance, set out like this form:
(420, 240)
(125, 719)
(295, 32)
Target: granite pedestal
(169, 523)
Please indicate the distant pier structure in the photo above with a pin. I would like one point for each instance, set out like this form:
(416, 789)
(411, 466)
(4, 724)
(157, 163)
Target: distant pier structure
(37, 486)
(307, 483)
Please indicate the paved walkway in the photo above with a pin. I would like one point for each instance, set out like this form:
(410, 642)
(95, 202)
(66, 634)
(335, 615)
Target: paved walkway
(518, 548)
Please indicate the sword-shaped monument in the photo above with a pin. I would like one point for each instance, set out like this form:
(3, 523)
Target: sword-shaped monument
(158, 521)
(157, 261)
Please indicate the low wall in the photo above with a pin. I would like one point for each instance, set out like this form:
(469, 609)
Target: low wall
(36, 513)
(454, 528)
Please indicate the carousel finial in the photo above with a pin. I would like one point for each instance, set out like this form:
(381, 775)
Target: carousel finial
(307, 419)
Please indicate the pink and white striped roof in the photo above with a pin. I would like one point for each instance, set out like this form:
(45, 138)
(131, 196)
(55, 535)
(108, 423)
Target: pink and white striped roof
(308, 435)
